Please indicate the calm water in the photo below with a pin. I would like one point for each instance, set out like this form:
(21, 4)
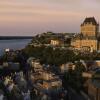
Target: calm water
(13, 44)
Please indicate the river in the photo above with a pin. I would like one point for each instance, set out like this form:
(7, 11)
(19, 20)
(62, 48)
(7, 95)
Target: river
(13, 44)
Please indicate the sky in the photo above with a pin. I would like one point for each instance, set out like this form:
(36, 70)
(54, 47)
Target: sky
(30, 17)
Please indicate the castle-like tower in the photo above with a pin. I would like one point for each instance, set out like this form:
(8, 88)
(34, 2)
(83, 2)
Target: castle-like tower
(90, 28)
(88, 37)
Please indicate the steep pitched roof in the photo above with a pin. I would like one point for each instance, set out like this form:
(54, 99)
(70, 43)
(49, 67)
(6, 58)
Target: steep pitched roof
(90, 20)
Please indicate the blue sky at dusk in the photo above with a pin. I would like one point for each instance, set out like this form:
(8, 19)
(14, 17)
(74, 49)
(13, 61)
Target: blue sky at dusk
(29, 17)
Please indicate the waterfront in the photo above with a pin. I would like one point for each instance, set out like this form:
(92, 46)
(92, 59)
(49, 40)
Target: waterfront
(13, 44)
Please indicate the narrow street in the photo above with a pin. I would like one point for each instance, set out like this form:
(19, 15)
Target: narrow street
(74, 95)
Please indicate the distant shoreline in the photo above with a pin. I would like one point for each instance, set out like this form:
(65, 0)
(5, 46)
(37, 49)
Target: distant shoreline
(15, 37)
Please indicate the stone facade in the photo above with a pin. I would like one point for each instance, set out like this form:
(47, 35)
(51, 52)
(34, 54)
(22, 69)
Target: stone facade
(88, 38)
(55, 42)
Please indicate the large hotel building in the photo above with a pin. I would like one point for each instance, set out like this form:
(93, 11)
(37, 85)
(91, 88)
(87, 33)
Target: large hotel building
(88, 39)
